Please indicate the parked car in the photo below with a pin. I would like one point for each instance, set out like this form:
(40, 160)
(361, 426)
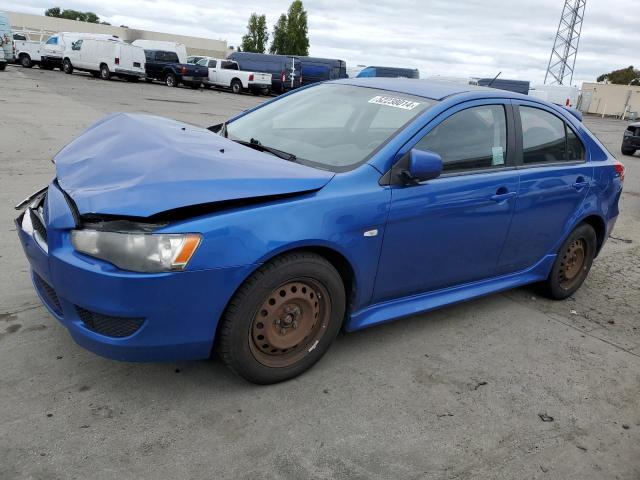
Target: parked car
(518, 86)
(178, 48)
(285, 70)
(631, 139)
(316, 69)
(104, 59)
(389, 72)
(52, 51)
(165, 66)
(27, 53)
(192, 60)
(346, 204)
(227, 74)
(6, 42)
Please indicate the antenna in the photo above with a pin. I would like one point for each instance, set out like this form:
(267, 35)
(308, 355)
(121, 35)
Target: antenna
(565, 46)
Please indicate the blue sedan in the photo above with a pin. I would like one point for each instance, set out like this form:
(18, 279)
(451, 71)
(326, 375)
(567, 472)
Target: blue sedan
(343, 205)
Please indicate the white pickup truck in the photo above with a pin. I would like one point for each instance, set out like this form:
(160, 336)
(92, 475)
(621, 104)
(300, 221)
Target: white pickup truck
(227, 73)
(27, 53)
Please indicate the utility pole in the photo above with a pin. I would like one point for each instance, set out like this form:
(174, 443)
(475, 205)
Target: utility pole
(565, 46)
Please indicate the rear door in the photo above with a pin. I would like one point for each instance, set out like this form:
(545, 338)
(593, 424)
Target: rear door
(555, 178)
(451, 230)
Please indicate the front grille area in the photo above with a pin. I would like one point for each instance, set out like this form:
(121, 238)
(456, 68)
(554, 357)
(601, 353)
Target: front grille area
(117, 327)
(48, 294)
(38, 225)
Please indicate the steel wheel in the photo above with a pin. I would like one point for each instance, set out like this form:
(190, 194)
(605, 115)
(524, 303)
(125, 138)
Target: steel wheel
(572, 264)
(290, 323)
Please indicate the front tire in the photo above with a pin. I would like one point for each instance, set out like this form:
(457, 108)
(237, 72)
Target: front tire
(628, 151)
(572, 264)
(67, 67)
(283, 319)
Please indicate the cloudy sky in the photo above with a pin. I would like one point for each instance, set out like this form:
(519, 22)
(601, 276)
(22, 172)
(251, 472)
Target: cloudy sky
(440, 37)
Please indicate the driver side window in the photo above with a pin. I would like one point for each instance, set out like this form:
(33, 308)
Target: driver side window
(472, 139)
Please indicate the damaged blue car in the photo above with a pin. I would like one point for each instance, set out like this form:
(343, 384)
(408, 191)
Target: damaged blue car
(343, 205)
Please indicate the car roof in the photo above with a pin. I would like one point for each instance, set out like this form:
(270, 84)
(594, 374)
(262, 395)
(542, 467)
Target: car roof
(434, 90)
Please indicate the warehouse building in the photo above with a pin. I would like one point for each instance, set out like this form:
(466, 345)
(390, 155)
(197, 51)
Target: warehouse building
(41, 27)
(610, 99)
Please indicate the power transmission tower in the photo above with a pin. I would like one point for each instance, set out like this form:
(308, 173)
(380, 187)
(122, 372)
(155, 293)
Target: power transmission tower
(565, 46)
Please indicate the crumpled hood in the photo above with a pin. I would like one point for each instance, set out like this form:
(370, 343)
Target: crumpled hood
(140, 165)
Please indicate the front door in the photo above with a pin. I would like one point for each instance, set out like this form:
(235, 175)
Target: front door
(451, 230)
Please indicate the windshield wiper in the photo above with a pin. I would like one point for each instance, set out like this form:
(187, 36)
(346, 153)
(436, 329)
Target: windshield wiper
(256, 145)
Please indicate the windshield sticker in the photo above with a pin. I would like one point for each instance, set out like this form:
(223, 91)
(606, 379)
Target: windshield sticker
(394, 102)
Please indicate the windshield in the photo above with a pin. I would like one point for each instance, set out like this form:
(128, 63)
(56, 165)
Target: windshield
(330, 126)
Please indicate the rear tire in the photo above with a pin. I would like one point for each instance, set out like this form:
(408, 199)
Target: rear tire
(105, 74)
(236, 86)
(170, 80)
(572, 264)
(25, 61)
(67, 67)
(283, 319)
(628, 151)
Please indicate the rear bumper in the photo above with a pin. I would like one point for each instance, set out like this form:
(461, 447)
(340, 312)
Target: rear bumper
(192, 79)
(125, 315)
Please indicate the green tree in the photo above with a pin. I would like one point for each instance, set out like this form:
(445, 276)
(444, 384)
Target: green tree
(279, 39)
(624, 76)
(73, 15)
(297, 42)
(257, 34)
(52, 12)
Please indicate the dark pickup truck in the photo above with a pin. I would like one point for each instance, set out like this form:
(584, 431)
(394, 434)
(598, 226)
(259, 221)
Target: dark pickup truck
(166, 67)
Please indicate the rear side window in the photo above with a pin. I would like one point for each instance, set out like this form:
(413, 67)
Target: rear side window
(19, 36)
(547, 139)
(227, 65)
(472, 139)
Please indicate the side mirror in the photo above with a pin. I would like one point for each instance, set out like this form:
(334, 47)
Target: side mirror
(423, 165)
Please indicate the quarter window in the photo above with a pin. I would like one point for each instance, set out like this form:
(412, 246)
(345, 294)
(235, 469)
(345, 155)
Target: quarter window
(472, 139)
(52, 41)
(547, 139)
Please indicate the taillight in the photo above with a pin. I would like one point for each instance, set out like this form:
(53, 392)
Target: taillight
(619, 169)
(183, 69)
(117, 61)
(283, 77)
(251, 77)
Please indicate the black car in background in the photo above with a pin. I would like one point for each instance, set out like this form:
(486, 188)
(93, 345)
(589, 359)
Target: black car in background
(279, 66)
(631, 139)
(164, 66)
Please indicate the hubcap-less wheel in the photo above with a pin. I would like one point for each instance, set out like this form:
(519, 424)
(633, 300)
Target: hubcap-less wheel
(290, 323)
(573, 262)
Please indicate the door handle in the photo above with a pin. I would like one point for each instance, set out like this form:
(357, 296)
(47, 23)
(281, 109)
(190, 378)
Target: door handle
(580, 183)
(502, 195)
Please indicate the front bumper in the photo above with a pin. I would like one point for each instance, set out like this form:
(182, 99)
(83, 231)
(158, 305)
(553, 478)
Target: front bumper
(633, 142)
(125, 315)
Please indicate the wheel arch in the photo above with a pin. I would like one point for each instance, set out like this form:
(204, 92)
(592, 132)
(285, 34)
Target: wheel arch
(600, 227)
(23, 54)
(234, 79)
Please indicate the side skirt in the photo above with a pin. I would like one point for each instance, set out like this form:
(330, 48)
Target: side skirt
(404, 307)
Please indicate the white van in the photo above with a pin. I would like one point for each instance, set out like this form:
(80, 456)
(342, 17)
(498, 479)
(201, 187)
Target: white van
(6, 41)
(178, 48)
(104, 59)
(53, 49)
(566, 96)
